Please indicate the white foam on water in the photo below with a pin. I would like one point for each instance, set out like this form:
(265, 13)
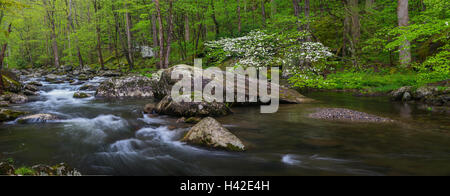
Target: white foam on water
(95, 130)
(151, 120)
(290, 160)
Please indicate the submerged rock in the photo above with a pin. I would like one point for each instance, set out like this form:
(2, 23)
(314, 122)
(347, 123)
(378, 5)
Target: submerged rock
(80, 95)
(168, 106)
(210, 133)
(346, 115)
(37, 118)
(10, 115)
(131, 86)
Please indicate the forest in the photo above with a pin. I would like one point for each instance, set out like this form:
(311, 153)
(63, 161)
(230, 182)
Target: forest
(370, 39)
(364, 87)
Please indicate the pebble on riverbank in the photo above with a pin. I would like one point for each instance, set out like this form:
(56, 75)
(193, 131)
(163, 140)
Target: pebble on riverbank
(342, 114)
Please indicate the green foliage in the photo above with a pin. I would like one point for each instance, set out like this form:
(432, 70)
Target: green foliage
(24, 171)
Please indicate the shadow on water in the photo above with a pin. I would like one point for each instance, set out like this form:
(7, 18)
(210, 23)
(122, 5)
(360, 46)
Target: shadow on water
(104, 137)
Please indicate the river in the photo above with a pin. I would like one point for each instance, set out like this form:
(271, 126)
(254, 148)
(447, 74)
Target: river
(105, 137)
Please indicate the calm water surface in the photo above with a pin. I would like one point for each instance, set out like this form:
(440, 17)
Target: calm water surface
(102, 137)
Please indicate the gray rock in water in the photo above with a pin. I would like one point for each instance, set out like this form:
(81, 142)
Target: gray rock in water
(398, 94)
(129, 86)
(35, 83)
(15, 98)
(210, 133)
(11, 84)
(31, 88)
(425, 91)
(346, 115)
(168, 106)
(406, 97)
(37, 118)
(29, 93)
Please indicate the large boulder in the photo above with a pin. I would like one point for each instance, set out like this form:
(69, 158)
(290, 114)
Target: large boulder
(164, 85)
(210, 133)
(11, 84)
(10, 115)
(37, 118)
(167, 106)
(130, 86)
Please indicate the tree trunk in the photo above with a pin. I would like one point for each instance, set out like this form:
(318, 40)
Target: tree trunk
(239, 15)
(307, 15)
(99, 39)
(51, 16)
(129, 39)
(263, 12)
(169, 35)
(2, 56)
(216, 24)
(403, 22)
(161, 35)
(187, 31)
(355, 30)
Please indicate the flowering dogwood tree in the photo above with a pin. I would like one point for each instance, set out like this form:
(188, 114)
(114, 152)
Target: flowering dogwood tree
(259, 49)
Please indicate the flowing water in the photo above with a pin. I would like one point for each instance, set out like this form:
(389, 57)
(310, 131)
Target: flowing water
(104, 137)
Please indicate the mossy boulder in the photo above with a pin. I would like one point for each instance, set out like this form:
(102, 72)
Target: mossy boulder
(11, 85)
(81, 95)
(10, 115)
(210, 133)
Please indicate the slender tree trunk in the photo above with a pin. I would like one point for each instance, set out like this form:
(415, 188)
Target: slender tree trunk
(99, 39)
(169, 35)
(355, 30)
(403, 22)
(263, 12)
(161, 35)
(213, 15)
(2, 56)
(50, 9)
(129, 39)
(187, 31)
(307, 17)
(239, 15)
